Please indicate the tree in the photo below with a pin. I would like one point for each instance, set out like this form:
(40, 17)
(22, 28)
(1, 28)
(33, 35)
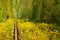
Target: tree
(0, 10)
(36, 12)
(4, 12)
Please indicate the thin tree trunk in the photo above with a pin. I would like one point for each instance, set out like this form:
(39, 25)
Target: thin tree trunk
(4, 9)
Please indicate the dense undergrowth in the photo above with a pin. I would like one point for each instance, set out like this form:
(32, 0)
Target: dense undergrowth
(29, 31)
(7, 30)
(37, 31)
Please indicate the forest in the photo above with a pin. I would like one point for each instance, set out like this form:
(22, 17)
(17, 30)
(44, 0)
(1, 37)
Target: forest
(29, 19)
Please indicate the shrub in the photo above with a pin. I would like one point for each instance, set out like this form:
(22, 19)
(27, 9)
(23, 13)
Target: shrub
(36, 31)
(6, 31)
(30, 31)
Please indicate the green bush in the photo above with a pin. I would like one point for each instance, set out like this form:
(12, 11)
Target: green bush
(36, 31)
(7, 30)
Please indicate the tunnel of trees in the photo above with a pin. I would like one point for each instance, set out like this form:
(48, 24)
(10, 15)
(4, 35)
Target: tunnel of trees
(33, 10)
(38, 13)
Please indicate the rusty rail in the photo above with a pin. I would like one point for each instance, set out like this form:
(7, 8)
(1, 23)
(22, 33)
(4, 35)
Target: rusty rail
(16, 29)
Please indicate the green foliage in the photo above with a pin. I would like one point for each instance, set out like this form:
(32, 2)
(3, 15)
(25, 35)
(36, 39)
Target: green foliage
(36, 11)
(46, 11)
(38, 31)
(28, 30)
(0, 10)
(7, 30)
